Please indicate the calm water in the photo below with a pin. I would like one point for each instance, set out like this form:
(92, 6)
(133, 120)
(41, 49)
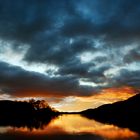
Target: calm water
(69, 127)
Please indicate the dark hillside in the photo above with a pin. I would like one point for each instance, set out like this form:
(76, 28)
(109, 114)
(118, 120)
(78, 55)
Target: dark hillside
(124, 113)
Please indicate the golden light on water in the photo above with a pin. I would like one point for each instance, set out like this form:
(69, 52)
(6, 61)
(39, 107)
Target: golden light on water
(76, 124)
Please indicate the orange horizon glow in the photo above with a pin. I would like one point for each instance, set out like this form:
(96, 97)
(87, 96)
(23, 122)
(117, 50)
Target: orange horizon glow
(79, 103)
(106, 96)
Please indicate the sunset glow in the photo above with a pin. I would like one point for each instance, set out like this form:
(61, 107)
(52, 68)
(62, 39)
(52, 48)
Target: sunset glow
(106, 96)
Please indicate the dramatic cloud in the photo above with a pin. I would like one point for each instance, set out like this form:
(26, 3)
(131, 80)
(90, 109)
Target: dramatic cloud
(19, 82)
(68, 48)
(133, 55)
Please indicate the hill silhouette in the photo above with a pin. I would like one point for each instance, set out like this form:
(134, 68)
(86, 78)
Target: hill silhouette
(32, 114)
(123, 113)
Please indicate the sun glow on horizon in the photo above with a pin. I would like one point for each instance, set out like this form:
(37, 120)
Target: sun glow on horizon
(76, 103)
(106, 96)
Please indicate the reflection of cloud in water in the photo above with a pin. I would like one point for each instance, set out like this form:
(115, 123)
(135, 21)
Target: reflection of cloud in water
(77, 125)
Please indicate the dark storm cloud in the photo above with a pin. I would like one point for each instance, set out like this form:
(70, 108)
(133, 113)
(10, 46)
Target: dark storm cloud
(117, 20)
(117, 23)
(16, 81)
(75, 68)
(78, 27)
(60, 33)
(133, 55)
(129, 78)
(22, 20)
(82, 44)
(84, 70)
(100, 59)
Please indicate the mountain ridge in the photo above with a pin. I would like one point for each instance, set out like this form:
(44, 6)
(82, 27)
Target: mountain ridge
(123, 113)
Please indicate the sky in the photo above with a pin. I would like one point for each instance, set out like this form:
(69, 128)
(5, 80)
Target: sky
(69, 50)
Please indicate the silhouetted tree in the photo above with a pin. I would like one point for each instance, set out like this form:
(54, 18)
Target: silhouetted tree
(39, 104)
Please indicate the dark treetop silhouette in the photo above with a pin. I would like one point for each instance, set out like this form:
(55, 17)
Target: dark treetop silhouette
(124, 113)
(32, 114)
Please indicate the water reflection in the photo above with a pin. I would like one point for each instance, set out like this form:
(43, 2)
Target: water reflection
(70, 127)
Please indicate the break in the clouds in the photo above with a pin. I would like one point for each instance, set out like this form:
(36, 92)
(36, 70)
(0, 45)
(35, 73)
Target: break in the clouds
(68, 48)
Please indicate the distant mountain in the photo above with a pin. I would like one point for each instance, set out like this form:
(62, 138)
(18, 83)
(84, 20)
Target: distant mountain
(124, 113)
